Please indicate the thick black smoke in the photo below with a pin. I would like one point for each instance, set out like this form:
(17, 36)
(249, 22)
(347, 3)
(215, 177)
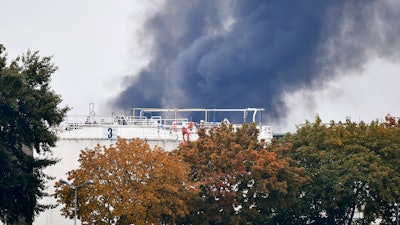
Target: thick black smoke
(237, 54)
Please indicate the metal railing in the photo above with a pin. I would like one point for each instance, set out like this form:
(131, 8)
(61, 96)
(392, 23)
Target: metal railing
(173, 124)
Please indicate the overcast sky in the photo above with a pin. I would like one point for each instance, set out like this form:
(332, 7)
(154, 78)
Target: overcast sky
(101, 46)
(92, 42)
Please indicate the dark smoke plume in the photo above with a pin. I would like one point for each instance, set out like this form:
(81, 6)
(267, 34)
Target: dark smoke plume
(237, 54)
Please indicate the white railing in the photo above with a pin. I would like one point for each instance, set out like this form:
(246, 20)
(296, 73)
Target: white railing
(172, 124)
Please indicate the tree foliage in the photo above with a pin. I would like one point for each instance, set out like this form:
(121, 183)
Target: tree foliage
(353, 169)
(242, 181)
(133, 184)
(28, 112)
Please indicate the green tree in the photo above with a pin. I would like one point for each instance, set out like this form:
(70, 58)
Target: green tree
(352, 168)
(242, 180)
(28, 112)
(133, 184)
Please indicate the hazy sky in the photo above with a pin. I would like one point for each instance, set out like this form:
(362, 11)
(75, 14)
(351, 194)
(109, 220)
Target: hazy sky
(337, 59)
(92, 42)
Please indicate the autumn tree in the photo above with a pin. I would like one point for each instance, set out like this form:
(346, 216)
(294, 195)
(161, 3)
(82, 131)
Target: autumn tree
(133, 184)
(241, 179)
(353, 169)
(28, 113)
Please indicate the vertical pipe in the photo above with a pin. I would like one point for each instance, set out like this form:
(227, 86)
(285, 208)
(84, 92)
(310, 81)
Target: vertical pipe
(214, 116)
(76, 204)
(91, 112)
(175, 114)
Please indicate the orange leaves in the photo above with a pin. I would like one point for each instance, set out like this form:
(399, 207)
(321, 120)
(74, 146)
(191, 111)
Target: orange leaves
(391, 121)
(132, 182)
(237, 170)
